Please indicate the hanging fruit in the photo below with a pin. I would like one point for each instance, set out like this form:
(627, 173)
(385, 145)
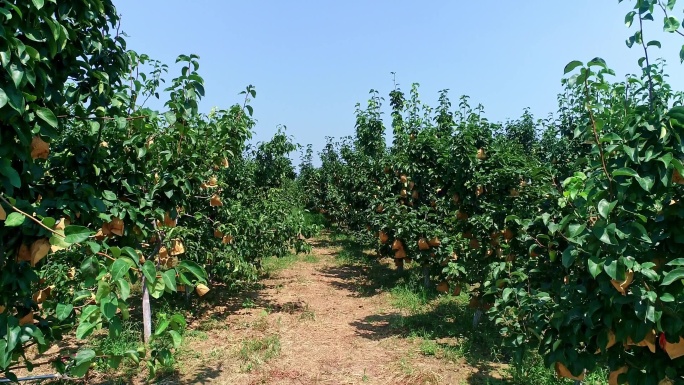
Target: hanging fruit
(397, 245)
(116, 226)
(212, 182)
(622, 286)
(423, 244)
(177, 247)
(24, 253)
(677, 177)
(563, 371)
(215, 201)
(383, 237)
(201, 289)
(168, 222)
(39, 148)
(39, 249)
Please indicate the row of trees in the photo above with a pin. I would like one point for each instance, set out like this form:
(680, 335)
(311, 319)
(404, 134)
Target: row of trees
(106, 204)
(566, 230)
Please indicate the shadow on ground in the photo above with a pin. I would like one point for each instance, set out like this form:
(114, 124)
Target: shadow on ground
(359, 271)
(447, 322)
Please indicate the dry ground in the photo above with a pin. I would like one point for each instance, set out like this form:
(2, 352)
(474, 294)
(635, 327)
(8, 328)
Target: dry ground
(311, 324)
(316, 320)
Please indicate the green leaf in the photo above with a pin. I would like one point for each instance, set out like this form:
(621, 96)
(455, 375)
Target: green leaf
(85, 355)
(85, 329)
(193, 268)
(76, 234)
(673, 276)
(48, 222)
(108, 308)
(8, 171)
(629, 18)
(3, 98)
(161, 327)
(569, 255)
(115, 327)
(14, 219)
(158, 289)
(114, 361)
(571, 66)
(80, 370)
(676, 262)
(654, 43)
(16, 98)
(103, 290)
(63, 311)
(605, 233)
(641, 230)
(108, 195)
(645, 182)
(625, 171)
(176, 337)
(169, 278)
(38, 3)
(671, 4)
(611, 269)
(150, 271)
(575, 229)
(605, 207)
(119, 268)
(94, 247)
(594, 266)
(17, 74)
(48, 117)
(670, 24)
(124, 288)
(133, 355)
(131, 253)
(667, 297)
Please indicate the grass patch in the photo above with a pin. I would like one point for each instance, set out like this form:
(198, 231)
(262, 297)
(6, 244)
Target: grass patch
(256, 351)
(130, 338)
(213, 322)
(307, 314)
(272, 265)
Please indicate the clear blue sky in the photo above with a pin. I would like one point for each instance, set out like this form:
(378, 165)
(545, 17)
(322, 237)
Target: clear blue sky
(312, 61)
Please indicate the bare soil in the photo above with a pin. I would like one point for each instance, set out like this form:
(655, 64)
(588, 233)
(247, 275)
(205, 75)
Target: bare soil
(328, 332)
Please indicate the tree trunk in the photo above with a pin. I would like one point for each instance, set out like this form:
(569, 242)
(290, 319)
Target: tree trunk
(147, 312)
(426, 276)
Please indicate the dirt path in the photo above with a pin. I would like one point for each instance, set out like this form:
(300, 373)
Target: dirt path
(310, 324)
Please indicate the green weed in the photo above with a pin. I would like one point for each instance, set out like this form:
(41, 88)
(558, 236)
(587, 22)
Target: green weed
(255, 352)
